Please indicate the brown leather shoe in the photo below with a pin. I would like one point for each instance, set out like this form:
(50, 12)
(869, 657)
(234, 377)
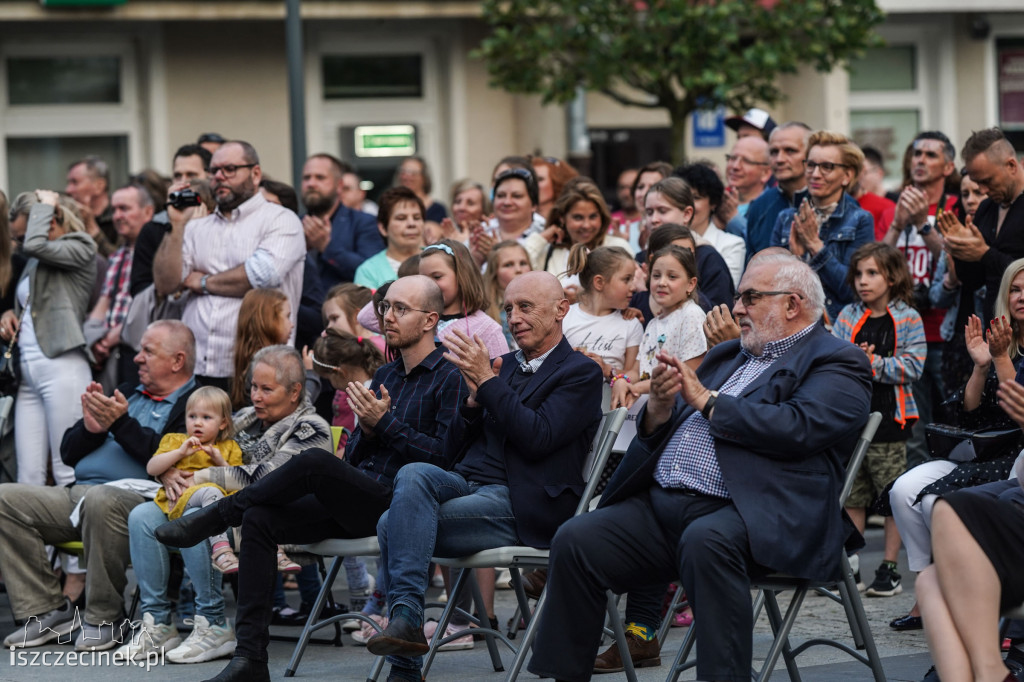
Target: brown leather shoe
(534, 582)
(644, 654)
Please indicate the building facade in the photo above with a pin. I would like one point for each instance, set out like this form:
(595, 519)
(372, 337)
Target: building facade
(133, 81)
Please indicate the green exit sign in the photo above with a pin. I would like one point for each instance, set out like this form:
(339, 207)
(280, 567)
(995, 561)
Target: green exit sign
(383, 141)
(81, 3)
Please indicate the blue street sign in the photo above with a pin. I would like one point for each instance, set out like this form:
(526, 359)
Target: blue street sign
(709, 128)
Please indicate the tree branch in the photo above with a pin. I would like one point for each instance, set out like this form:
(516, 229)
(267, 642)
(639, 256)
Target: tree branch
(628, 101)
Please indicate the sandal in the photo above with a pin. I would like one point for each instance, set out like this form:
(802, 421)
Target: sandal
(225, 561)
(286, 565)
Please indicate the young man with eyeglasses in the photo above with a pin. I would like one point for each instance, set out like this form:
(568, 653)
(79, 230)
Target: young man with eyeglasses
(405, 416)
(246, 243)
(736, 470)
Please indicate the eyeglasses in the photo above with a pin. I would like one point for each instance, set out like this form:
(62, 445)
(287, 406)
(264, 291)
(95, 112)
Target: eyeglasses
(400, 309)
(752, 296)
(229, 170)
(729, 158)
(825, 166)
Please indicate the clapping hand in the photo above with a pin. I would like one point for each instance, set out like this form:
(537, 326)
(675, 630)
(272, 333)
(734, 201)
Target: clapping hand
(720, 326)
(977, 346)
(367, 406)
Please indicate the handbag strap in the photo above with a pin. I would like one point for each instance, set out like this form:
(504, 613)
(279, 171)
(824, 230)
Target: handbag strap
(17, 330)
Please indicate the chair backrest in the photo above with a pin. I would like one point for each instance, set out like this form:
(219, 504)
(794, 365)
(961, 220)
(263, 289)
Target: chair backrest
(600, 449)
(861, 449)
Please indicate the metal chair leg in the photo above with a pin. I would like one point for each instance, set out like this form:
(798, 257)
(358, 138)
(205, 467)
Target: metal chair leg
(314, 615)
(620, 637)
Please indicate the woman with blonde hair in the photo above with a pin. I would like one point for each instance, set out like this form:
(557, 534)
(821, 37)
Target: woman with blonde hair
(829, 225)
(51, 301)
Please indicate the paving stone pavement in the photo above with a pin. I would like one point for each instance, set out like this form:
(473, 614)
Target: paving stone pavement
(905, 655)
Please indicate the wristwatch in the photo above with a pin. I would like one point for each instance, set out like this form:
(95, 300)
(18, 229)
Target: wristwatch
(924, 229)
(706, 410)
(202, 284)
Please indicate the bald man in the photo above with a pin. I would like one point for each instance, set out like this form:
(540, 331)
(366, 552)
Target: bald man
(983, 250)
(405, 416)
(519, 459)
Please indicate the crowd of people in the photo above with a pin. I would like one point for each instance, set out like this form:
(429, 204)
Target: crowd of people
(185, 345)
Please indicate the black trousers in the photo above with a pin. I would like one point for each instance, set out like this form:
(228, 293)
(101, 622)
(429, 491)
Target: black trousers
(312, 497)
(649, 539)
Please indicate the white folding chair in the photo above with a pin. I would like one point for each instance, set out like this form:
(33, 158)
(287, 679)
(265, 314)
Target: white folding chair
(848, 596)
(518, 557)
(339, 549)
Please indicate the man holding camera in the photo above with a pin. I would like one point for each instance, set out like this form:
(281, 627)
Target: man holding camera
(246, 243)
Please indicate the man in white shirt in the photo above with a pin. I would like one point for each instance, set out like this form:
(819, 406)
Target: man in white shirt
(246, 243)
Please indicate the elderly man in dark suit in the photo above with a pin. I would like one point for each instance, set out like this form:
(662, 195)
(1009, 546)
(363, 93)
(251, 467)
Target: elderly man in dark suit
(519, 460)
(736, 469)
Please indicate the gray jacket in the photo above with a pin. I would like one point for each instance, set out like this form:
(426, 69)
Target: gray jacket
(63, 274)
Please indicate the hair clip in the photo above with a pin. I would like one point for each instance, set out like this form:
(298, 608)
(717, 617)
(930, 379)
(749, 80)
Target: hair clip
(359, 339)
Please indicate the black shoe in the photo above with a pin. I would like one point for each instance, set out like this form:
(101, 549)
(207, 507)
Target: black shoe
(400, 638)
(1015, 662)
(193, 528)
(906, 623)
(887, 582)
(243, 670)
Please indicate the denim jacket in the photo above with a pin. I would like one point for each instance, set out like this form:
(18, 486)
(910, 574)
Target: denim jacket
(848, 228)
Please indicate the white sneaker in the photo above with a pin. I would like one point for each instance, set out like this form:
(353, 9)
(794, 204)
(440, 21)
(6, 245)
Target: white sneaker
(503, 579)
(206, 642)
(150, 637)
(367, 631)
(464, 642)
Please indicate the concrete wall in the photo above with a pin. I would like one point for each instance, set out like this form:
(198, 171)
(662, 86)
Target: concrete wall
(233, 82)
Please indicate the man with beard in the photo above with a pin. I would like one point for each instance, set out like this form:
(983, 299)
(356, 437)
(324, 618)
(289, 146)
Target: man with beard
(246, 243)
(405, 416)
(340, 238)
(735, 471)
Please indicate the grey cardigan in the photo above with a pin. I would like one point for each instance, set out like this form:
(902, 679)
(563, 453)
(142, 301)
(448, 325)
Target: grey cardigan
(62, 275)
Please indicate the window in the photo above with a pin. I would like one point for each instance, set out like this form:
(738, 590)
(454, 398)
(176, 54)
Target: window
(61, 100)
(1010, 62)
(885, 69)
(42, 162)
(372, 76)
(64, 80)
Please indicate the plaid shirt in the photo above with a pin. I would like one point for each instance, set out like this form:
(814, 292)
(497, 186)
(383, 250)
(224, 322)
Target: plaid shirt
(424, 403)
(689, 459)
(117, 283)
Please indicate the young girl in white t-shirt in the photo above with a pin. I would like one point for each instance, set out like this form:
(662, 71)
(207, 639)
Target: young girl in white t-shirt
(595, 325)
(678, 328)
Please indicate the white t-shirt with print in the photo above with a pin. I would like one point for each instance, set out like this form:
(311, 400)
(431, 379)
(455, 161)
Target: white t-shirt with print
(608, 335)
(680, 333)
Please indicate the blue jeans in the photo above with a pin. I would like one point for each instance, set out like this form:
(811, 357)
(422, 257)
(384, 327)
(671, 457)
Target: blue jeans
(151, 561)
(436, 513)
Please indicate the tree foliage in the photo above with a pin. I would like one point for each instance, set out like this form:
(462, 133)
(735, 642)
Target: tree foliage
(670, 54)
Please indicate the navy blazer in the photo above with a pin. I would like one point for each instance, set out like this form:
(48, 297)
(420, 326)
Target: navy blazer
(546, 429)
(354, 238)
(782, 446)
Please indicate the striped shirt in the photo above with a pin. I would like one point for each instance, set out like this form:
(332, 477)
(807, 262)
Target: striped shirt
(424, 403)
(264, 237)
(689, 459)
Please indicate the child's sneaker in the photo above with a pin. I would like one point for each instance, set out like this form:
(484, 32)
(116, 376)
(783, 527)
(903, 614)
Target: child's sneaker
(225, 560)
(285, 564)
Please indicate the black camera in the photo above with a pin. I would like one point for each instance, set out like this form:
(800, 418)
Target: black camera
(183, 198)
